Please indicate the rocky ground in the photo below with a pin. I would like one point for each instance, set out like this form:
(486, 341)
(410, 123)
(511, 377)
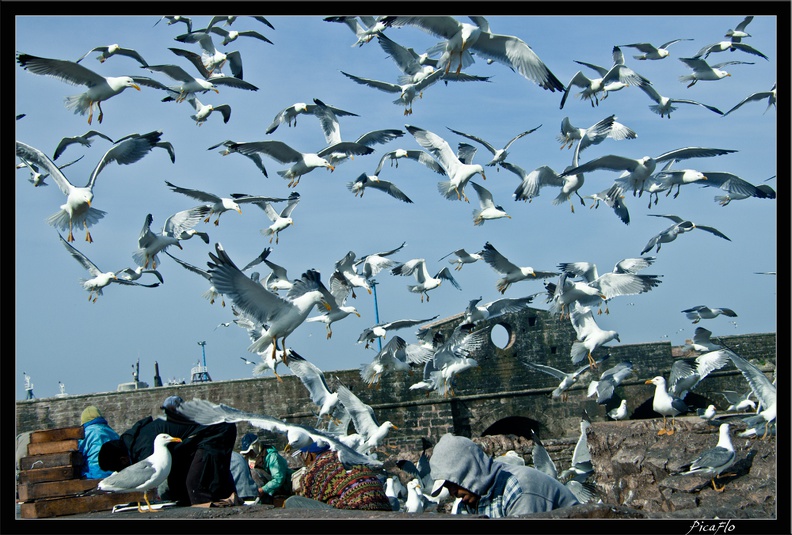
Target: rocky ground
(637, 477)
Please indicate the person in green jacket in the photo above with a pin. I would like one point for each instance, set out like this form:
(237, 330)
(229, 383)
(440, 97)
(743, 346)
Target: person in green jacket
(271, 472)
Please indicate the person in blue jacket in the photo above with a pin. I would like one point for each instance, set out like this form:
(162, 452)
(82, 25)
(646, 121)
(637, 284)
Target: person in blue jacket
(96, 432)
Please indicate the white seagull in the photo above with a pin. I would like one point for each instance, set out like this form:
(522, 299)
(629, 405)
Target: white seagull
(426, 282)
(111, 50)
(487, 208)
(144, 475)
(665, 105)
(620, 412)
(281, 316)
(336, 298)
(590, 336)
(208, 413)
(99, 279)
(190, 84)
(702, 341)
(100, 88)
(314, 381)
(363, 181)
(715, 461)
(459, 173)
(229, 148)
(511, 272)
(230, 36)
(706, 72)
(475, 313)
(396, 355)
(594, 134)
(176, 226)
(380, 330)
(407, 92)
(498, 155)
(635, 172)
(666, 405)
(567, 379)
(36, 176)
(756, 97)
(289, 115)
(203, 111)
(763, 390)
(218, 205)
(363, 418)
(462, 39)
(173, 19)
(84, 140)
(278, 278)
(373, 263)
(365, 29)
(77, 209)
(280, 220)
(680, 226)
(419, 156)
(303, 162)
(608, 381)
(703, 312)
(651, 52)
(618, 76)
(211, 294)
(462, 258)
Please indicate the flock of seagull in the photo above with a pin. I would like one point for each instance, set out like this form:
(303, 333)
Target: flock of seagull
(276, 307)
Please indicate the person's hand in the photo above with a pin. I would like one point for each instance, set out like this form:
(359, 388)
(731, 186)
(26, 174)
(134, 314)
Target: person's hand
(264, 497)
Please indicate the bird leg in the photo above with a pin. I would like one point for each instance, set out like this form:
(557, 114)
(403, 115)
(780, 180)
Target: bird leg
(592, 362)
(673, 427)
(101, 113)
(663, 430)
(329, 332)
(572, 206)
(278, 377)
(88, 237)
(714, 486)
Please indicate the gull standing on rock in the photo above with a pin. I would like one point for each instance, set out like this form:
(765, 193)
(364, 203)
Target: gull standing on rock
(715, 461)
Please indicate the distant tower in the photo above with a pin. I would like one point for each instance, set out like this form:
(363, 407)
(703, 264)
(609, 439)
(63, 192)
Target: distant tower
(200, 373)
(28, 387)
(157, 379)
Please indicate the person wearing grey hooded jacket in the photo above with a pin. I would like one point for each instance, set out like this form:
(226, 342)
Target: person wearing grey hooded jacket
(490, 488)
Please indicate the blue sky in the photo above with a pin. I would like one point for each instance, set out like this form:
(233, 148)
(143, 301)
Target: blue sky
(91, 347)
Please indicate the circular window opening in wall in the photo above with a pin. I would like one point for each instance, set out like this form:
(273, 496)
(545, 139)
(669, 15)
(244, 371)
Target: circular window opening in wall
(501, 336)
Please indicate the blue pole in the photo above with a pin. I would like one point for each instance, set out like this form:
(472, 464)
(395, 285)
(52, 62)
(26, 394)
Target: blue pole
(376, 310)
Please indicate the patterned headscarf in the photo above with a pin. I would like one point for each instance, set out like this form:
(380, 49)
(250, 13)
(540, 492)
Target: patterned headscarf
(328, 481)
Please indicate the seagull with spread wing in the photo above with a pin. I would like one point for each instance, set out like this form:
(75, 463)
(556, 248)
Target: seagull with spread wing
(651, 52)
(511, 272)
(475, 313)
(487, 208)
(680, 226)
(756, 97)
(567, 379)
(498, 155)
(363, 419)
(704, 71)
(177, 225)
(111, 50)
(289, 115)
(380, 330)
(396, 355)
(280, 220)
(665, 105)
(211, 294)
(208, 413)
(336, 299)
(77, 209)
(218, 205)
(84, 140)
(280, 315)
(462, 257)
(100, 88)
(314, 381)
(407, 92)
(426, 282)
(458, 172)
(99, 279)
(462, 39)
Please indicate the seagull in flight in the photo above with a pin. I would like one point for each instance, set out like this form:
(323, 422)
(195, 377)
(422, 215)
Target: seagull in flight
(756, 97)
(381, 329)
(99, 279)
(280, 220)
(336, 299)
(363, 181)
(488, 209)
(218, 205)
(651, 52)
(764, 391)
(407, 92)
(419, 156)
(498, 155)
(208, 413)
(314, 381)
(701, 312)
(255, 157)
(665, 105)
(680, 226)
(111, 50)
(462, 258)
(426, 283)
(211, 294)
(289, 114)
(462, 39)
(77, 209)
(511, 272)
(567, 379)
(280, 315)
(618, 76)
(704, 71)
(176, 226)
(475, 313)
(84, 140)
(364, 420)
(100, 88)
(458, 172)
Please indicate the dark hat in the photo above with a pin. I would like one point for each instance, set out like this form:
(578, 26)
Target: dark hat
(247, 442)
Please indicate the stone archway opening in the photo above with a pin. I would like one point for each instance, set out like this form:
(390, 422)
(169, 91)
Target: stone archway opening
(513, 425)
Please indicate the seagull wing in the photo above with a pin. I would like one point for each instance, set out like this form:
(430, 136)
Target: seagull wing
(376, 84)
(277, 150)
(496, 260)
(311, 376)
(35, 156)
(713, 230)
(195, 193)
(184, 220)
(126, 151)
(81, 258)
(208, 413)
(486, 144)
